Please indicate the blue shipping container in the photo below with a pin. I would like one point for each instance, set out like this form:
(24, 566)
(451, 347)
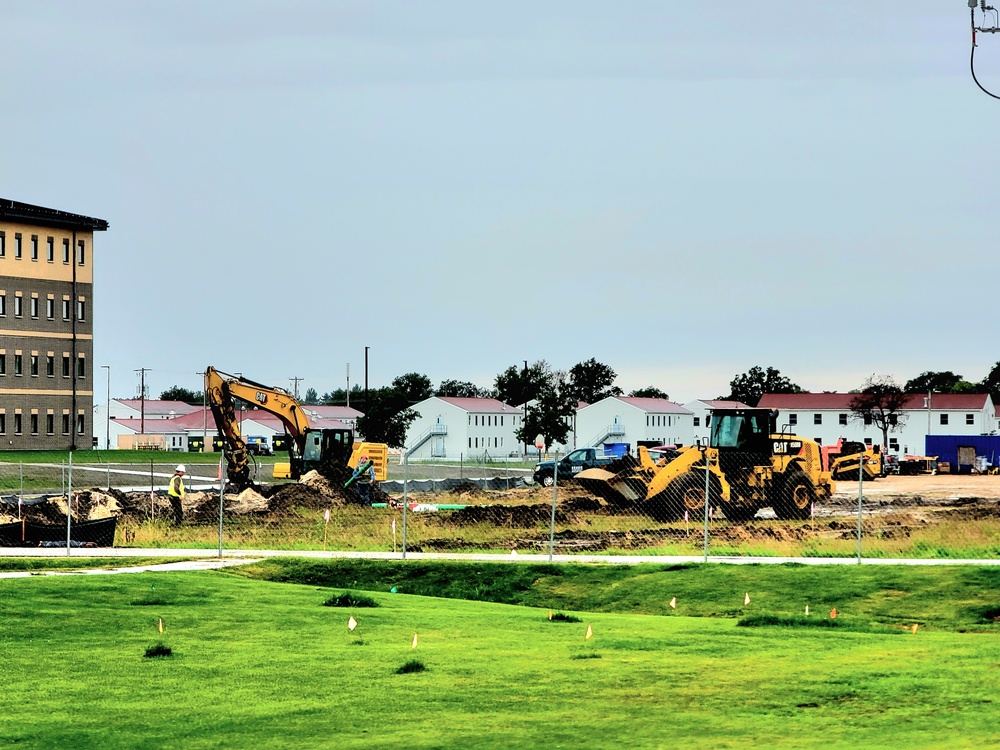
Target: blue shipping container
(945, 447)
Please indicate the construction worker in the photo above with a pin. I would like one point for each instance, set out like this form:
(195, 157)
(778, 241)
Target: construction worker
(363, 477)
(176, 492)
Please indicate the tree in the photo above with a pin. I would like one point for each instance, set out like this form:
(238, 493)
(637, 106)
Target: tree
(176, 393)
(650, 391)
(547, 416)
(592, 381)
(516, 386)
(459, 389)
(414, 386)
(879, 402)
(311, 397)
(338, 396)
(387, 414)
(938, 382)
(754, 383)
(991, 384)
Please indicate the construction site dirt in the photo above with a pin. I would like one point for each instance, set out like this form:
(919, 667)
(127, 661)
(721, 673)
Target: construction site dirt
(893, 510)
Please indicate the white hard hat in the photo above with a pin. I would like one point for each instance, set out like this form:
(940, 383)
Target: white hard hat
(180, 469)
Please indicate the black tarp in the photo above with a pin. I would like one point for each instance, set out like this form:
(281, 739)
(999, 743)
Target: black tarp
(100, 533)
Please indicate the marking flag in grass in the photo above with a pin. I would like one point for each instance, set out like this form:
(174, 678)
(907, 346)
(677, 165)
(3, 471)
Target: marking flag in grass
(914, 629)
(159, 625)
(590, 633)
(746, 599)
(833, 613)
(550, 614)
(673, 603)
(326, 515)
(807, 609)
(352, 623)
(414, 642)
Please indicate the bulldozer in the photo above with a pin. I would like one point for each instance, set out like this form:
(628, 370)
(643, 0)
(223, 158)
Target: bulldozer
(844, 459)
(746, 465)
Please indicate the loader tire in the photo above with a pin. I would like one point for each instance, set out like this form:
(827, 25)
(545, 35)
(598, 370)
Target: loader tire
(685, 493)
(795, 498)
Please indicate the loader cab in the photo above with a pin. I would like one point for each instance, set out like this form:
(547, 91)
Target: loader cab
(741, 430)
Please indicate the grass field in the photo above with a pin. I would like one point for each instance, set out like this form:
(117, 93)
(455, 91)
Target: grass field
(258, 663)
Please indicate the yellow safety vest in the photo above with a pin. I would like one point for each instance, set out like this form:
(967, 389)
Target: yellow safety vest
(176, 487)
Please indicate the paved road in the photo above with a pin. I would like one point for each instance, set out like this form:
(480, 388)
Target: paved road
(236, 557)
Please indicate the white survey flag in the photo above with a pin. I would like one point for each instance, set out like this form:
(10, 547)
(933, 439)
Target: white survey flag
(352, 623)
(673, 603)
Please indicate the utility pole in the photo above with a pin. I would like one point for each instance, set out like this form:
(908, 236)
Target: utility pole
(348, 385)
(366, 376)
(107, 416)
(204, 409)
(295, 387)
(142, 399)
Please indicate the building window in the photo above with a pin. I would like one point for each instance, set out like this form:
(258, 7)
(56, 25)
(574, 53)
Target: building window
(65, 424)
(81, 309)
(697, 421)
(65, 368)
(33, 307)
(65, 309)
(34, 365)
(17, 246)
(817, 419)
(18, 365)
(50, 366)
(3, 245)
(81, 366)
(868, 442)
(3, 423)
(842, 419)
(944, 419)
(50, 308)
(34, 424)
(18, 305)
(970, 418)
(80, 424)
(80, 253)
(793, 419)
(66, 258)
(50, 249)
(3, 304)
(3, 363)
(34, 256)
(17, 424)
(894, 444)
(50, 424)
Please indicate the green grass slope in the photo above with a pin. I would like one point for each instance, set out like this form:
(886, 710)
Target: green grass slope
(260, 664)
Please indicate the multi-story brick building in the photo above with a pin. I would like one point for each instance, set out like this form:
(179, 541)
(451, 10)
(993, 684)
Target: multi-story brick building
(46, 327)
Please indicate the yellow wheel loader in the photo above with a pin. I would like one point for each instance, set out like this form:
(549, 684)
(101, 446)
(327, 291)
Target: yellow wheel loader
(746, 466)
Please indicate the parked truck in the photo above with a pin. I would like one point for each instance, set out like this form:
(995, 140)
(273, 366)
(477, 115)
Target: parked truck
(570, 465)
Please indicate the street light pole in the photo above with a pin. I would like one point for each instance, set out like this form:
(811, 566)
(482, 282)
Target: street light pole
(107, 416)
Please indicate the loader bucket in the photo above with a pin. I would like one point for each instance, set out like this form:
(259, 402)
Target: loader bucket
(618, 489)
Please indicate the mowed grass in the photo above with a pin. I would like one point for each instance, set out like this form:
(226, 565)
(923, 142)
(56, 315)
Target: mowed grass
(264, 664)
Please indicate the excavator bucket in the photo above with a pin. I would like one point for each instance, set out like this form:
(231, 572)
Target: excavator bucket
(623, 483)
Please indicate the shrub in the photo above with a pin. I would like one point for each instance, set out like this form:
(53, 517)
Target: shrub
(347, 599)
(158, 651)
(413, 665)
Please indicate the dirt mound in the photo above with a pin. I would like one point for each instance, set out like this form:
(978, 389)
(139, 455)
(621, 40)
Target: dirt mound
(468, 489)
(523, 516)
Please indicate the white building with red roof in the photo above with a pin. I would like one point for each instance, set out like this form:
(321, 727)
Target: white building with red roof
(637, 421)
(825, 417)
(452, 427)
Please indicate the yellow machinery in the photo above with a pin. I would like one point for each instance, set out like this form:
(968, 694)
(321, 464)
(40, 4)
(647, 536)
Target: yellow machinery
(842, 460)
(326, 450)
(749, 465)
(378, 454)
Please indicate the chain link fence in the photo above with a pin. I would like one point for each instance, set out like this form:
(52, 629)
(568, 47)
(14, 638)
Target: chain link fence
(650, 504)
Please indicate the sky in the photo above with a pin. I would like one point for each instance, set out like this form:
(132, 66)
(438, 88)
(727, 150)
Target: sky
(681, 191)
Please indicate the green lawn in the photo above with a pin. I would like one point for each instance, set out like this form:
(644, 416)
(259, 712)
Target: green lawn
(263, 664)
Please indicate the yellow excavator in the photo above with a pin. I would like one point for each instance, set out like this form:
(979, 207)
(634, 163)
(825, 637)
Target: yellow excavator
(746, 465)
(327, 450)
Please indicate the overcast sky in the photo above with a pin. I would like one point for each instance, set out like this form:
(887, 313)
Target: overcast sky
(681, 191)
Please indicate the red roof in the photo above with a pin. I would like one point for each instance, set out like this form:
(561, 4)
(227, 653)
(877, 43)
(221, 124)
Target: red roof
(155, 406)
(332, 412)
(915, 401)
(653, 405)
(721, 404)
(480, 405)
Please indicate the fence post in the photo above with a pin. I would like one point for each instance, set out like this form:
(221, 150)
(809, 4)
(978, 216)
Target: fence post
(222, 486)
(707, 501)
(861, 484)
(406, 484)
(552, 522)
(69, 503)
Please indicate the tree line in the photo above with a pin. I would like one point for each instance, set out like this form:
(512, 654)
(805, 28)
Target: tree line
(553, 395)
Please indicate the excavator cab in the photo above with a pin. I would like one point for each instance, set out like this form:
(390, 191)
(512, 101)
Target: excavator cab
(325, 447)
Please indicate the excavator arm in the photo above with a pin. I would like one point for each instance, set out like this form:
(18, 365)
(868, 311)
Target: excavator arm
(221, 392)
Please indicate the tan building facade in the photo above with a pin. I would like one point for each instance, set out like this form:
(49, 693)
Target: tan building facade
(46, 327)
